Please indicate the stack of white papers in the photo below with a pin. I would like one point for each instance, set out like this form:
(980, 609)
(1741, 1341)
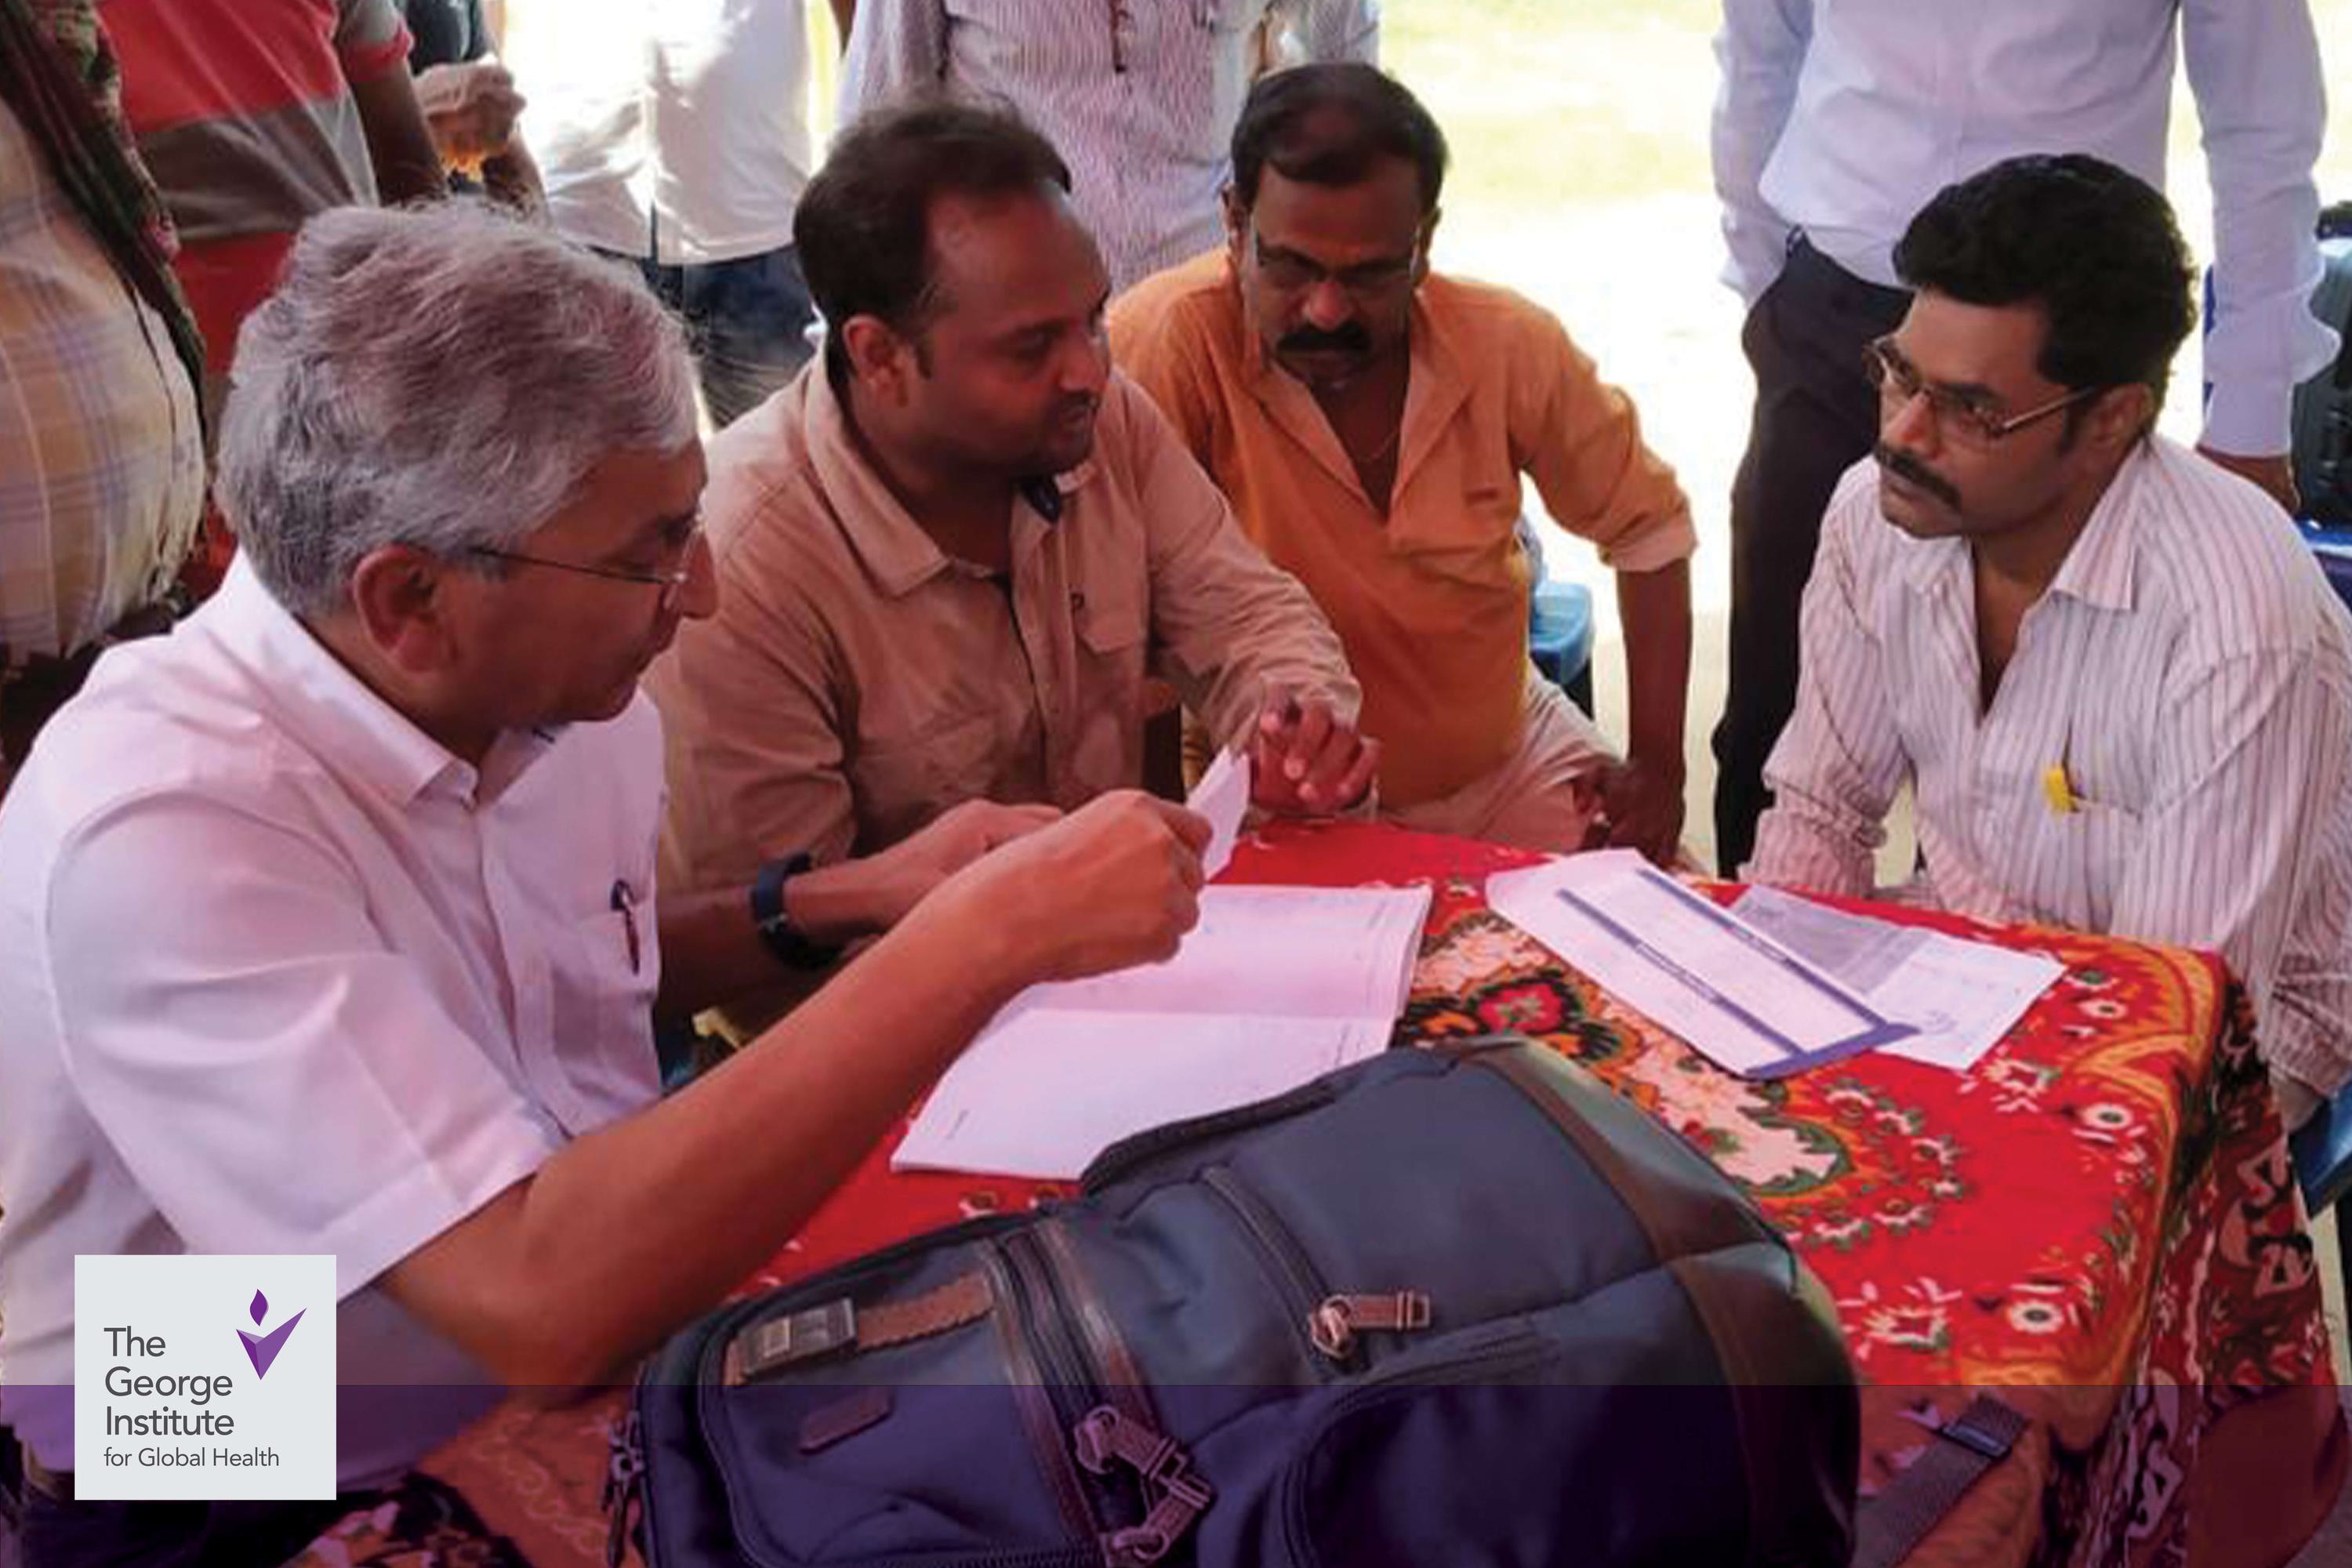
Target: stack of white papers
(1274, 987)
(1961, 996)
(1735, 995)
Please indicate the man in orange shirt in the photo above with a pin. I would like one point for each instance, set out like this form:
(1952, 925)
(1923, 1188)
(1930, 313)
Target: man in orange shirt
(1369, 423)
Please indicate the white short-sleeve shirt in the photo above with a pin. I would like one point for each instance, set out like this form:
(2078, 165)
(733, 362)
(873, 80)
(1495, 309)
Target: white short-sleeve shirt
(281, 975)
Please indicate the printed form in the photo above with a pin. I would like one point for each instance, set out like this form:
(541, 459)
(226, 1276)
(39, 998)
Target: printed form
(1738, 996)
(1274, 987)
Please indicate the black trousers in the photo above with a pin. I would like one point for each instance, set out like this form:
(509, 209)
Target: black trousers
(1816, 415)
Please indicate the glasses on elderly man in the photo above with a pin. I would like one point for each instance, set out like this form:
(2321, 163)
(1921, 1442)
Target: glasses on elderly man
(672, 583)
(1969, 417)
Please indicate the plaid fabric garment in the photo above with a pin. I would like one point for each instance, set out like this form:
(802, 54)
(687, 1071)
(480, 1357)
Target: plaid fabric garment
(59, 77)
(101, 451)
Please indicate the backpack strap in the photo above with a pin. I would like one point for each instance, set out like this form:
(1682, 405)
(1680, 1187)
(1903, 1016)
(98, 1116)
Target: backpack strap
(1890, 1524)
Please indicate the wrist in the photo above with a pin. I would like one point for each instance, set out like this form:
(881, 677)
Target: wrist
(841, 903)
(773, 916)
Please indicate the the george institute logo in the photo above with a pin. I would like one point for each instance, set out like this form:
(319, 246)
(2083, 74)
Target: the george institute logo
(167, 1404)
(262, 1349)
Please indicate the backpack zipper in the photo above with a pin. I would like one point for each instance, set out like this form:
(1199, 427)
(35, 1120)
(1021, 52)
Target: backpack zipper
(1292, 1271)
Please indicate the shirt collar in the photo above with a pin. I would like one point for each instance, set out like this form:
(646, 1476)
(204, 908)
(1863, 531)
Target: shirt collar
(2098, 569)
(1435, 385)
(340, 716)
(894, 549)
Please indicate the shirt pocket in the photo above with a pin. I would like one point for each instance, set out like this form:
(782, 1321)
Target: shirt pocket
(605, 977)
(904, 779)
(2108, 838)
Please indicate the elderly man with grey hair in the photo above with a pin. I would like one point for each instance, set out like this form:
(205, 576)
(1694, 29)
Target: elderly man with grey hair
(327, 924)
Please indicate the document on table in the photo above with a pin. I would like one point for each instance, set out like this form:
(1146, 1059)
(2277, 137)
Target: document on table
(1735, 995)
(1223, 797)
(1961, 996)
(1276, 986)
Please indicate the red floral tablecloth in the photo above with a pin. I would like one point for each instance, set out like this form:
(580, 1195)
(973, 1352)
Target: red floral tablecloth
(2100, 1220)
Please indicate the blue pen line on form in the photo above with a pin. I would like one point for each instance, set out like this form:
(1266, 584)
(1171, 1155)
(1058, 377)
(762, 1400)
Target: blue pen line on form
(1788, 1047)
(1763, 949)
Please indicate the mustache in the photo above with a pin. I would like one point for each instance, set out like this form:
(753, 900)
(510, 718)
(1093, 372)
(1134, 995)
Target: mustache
(1903, 465)
(1349, 337)
(1075, 405)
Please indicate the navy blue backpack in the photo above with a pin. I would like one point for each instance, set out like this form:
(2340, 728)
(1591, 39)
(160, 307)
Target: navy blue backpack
(1458, 1308)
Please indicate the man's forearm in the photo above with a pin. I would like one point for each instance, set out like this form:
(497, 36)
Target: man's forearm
(713, 951)
(675, 1226)
(1655, 608)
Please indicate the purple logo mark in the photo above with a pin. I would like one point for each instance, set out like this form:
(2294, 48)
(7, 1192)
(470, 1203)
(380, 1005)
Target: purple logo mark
(262, 1349)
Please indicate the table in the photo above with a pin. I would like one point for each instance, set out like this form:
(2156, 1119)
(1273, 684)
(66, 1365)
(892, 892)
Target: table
(2101, 1220)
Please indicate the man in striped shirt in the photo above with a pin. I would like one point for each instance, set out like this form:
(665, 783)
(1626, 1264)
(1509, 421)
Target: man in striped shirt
(1140, 96)
(2118, 685)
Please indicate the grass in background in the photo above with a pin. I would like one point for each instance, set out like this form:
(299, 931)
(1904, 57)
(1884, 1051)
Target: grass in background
(1551, 102)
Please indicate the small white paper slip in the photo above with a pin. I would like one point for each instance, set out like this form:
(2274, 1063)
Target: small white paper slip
(1223, 797)
(1733, 993)
(1962, 996)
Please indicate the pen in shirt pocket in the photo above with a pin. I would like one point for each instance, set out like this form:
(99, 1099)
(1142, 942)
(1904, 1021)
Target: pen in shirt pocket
(624, 904)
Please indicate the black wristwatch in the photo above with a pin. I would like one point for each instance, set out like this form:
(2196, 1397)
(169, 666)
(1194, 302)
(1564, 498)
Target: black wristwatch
(790, 944)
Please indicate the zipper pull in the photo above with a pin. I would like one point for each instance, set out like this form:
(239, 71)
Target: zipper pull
(624, 1484)
(1333, 1326)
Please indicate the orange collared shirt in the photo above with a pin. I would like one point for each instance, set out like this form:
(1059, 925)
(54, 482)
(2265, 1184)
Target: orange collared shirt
(1431, 597)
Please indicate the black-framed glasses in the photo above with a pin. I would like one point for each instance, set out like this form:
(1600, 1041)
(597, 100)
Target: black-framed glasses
(672, 583)
(1292, 273)
(1965, 418)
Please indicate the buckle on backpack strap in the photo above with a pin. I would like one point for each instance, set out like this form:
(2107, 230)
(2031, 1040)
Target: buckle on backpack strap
(820, 1331)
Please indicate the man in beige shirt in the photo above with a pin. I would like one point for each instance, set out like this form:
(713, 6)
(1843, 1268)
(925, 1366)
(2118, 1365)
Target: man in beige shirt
(952, 551)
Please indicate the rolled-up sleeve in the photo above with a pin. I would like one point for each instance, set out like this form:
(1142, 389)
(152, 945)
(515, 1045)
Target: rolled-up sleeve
(1834, 771)
(1236, 628)
(276, 1076)
(1580, 440)
(371, 38)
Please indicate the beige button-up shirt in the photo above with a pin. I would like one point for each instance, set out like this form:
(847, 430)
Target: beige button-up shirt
(856, 681)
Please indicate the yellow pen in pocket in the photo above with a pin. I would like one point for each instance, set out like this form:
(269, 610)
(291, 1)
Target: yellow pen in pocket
(2058, 791)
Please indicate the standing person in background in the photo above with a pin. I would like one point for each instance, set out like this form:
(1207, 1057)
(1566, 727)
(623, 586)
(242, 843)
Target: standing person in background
(252, 115)
(469, 101)
(102, 452)
(675, 135)
(1837, 119)
(1140, 97)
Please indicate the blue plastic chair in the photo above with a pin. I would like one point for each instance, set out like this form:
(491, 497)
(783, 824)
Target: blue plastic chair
(1560, 638)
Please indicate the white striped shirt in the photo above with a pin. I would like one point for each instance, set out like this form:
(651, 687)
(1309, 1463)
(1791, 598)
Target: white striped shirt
(2190, 670)
(1139, 96)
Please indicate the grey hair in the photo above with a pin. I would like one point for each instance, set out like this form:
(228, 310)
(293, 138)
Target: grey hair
(443, 376)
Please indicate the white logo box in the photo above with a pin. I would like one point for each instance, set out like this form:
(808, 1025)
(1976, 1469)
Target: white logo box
(206, 1377)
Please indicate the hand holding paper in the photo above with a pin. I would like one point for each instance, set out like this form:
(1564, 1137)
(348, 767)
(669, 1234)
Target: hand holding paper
(1221, 798)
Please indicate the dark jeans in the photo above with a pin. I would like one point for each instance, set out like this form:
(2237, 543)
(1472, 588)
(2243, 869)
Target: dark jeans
(38, 1531)
(1816, 415)
(748, 319)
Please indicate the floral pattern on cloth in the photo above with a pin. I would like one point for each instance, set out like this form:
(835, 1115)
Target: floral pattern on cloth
(2099, 1221)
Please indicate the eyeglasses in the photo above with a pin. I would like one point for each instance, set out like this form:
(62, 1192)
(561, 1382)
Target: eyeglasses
(1959, 415)
(672, 583)
(1292, 273)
